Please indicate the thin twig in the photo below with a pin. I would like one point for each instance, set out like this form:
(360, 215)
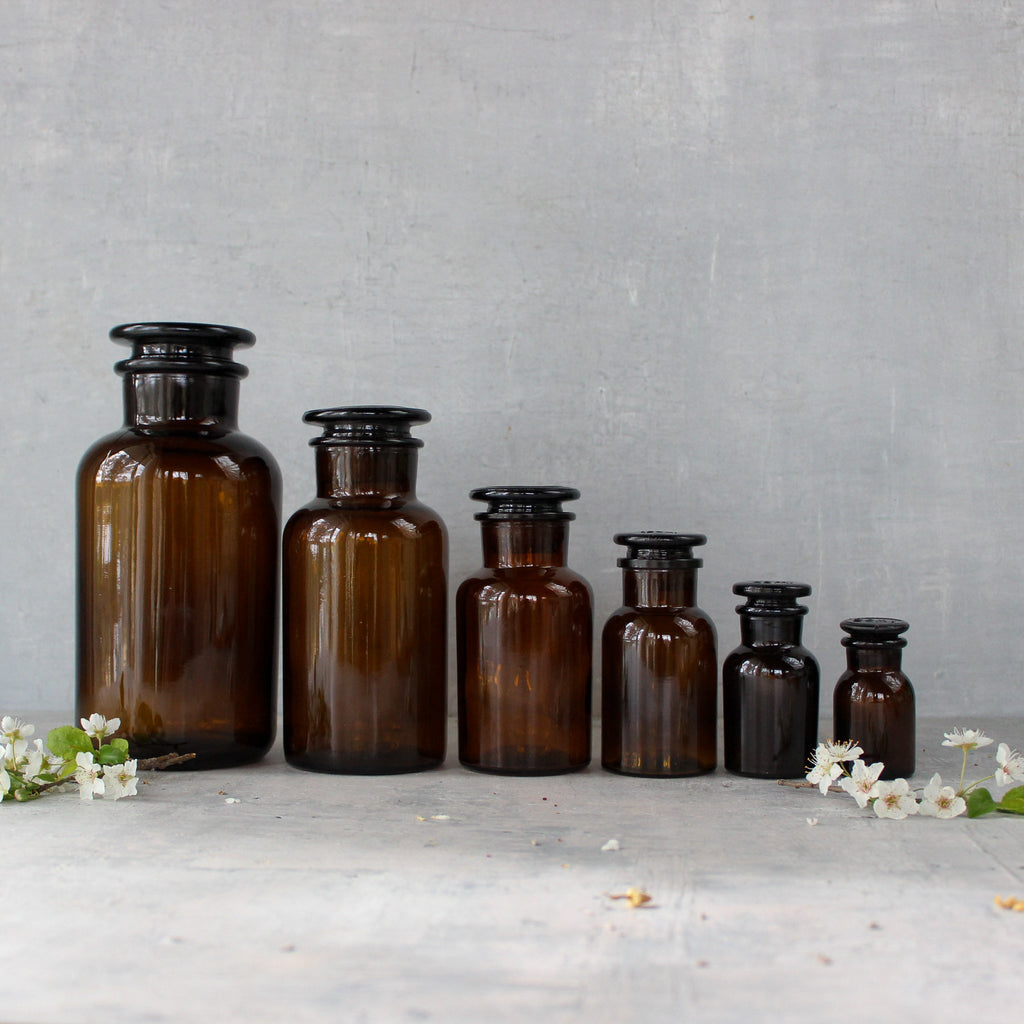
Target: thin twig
(157, 764)
(800, 784)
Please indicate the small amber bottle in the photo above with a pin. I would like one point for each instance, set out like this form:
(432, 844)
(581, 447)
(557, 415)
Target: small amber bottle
(524, 628)
(770, 685)
(873, 701)
(365, 569)
(659, 666)
(178, 519)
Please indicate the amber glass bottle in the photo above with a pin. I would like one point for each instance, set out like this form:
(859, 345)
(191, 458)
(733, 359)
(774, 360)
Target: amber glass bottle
(178, 518)
(659, 677)
(524, 625)
(873, 701)
(770, 685)
(365, 591)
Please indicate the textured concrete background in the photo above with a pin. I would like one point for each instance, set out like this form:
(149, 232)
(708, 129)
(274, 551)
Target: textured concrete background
(749, 269)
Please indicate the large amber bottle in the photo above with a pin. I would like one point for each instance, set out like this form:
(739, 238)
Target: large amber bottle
(178, 520)
(524, 626)
(659, 680)
(365, 584)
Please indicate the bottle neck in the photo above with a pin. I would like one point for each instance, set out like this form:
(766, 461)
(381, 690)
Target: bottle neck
(524, 542)
(878, 659)
(182, 401)
(384, 475)
(770, 630)
(659, 588)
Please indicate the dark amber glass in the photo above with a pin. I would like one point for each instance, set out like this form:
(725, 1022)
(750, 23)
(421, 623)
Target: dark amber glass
(524, 626)
(659, 677)
(365, 613)
(770, 685)
(873, 701)
(178, 519)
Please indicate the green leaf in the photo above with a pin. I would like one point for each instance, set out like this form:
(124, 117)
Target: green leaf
(66, 741)
(1013, 801)
(121, 744)
(109, 754)
(980, 802)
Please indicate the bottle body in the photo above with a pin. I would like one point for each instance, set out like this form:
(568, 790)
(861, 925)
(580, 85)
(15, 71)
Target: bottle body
(178, 520)
(874, 702)
(524, 628)
(659, 701)
(365, 612)
(770, 686)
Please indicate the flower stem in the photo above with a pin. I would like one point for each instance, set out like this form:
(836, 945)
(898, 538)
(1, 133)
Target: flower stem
(974, 785)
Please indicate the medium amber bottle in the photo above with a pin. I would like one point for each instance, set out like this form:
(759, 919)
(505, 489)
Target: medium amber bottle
(178, 519)
(770, 685)
(659, 678)
(524, 627)
(873, 701)
(365, 616)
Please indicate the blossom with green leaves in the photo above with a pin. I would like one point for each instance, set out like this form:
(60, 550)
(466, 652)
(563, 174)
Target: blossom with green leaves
(897, 799)
(70, 755)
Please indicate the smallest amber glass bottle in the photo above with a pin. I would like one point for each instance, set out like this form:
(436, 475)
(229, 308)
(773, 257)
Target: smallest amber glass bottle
(770, 685)
(660, 670)
(873, 702)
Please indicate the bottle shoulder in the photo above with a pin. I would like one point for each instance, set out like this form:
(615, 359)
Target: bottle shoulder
(557, 581)
(878, 684)
(770, 660)
(683, 619)
(329, 520)
(131, 452)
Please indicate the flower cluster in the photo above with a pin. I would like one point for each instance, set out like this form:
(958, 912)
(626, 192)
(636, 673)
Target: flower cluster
(84, 756)
(896, 799)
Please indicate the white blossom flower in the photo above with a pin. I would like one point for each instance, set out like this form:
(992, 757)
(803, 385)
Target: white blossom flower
(966, 739)
(119, 780)
(861, 782)
(50, 762)
(843, 750)
(12, 729)
(98, 727)
(827, 760)
(1011, 765)
(939, 801)
(5, 780)
(894, 799)
(34, 761)
(87, 775)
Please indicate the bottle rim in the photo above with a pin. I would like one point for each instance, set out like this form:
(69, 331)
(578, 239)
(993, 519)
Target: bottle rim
(524, 501)
(367, 426)
(172, 347)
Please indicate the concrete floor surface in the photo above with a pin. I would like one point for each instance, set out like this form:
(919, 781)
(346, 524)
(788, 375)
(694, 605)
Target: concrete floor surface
(455, 896)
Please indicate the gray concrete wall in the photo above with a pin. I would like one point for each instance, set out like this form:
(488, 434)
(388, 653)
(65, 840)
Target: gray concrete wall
(752, 269)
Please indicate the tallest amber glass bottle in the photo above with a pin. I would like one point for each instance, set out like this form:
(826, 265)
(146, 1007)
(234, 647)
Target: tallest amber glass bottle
(178, 517)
